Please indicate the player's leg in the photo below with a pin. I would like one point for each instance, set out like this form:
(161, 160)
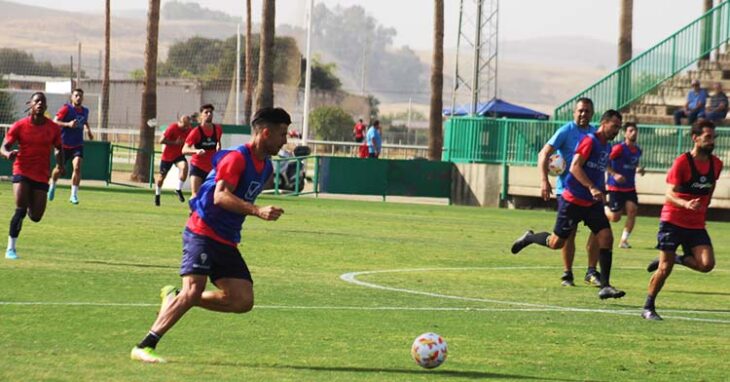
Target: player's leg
(666, 263)
(631, 211)
(702, 258)
(565, 225)
(234, 296)
(567, 254)
(55, 174)
(195, 183)
(182, 167)
(22, 191)
(592, 276)
(596, 220)
(164, 168)
(192, 288)
(77, 161)
(615, 207)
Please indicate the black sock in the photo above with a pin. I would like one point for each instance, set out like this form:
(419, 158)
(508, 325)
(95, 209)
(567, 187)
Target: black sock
(150, 341)
(16, 223)
(591, 270)
(539, 238)
(649, 304)
(605, 258)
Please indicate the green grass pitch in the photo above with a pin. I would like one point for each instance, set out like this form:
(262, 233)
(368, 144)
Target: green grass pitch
(86, 290)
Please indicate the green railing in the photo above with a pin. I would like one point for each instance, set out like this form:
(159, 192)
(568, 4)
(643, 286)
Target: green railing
(643, 73)
(517, 142)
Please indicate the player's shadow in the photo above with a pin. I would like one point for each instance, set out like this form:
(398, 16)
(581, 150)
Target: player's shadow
(467, 374)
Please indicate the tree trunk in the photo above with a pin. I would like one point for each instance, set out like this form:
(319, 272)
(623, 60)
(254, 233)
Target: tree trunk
(707, 29)
(248, 81)
(435, 133)
(626, 24)
(265, 85)
(104, 123)
(147, 126)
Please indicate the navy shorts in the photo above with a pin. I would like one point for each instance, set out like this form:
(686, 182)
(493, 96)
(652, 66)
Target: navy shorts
(165, 166)
(617, 199)
(569, 215)
(33, 184)
(671, 236)
(205, 256)
(196, 171)
(71, 153)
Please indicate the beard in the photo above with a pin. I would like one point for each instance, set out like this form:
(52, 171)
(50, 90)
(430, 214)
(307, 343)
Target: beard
(706, 150)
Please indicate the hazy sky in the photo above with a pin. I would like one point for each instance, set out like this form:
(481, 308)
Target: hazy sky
(519, 19)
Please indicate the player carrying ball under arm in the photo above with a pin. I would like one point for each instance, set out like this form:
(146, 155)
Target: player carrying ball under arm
(36, 137)
(691, 182)
(213, 231)
(583, 201)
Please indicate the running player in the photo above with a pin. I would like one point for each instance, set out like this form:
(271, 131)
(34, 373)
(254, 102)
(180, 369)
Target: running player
(202, 142)
(564, 141)
(213, 231)
(583, 200)
(621, 183)
(691, 181)
(36, 137)
(173, 138)
(73, 118)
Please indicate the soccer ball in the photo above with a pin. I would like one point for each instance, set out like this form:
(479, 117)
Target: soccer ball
(429, 350)
(556, 165)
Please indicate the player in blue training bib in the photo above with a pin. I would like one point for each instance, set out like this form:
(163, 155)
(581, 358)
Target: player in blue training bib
(213, 231)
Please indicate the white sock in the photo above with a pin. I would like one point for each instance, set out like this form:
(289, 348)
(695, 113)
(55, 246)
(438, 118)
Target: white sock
(53, 184)
(11, 242)
(74, 191)
(180, 184)
(625, 235)
(157, 190)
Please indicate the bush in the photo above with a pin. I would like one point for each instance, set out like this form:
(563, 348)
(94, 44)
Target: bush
(331, 123)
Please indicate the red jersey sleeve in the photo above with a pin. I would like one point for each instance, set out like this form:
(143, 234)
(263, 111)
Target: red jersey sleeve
(170, 131)
(679, 172)
(193, 137)
(61, 114)
(585, 147)
(57, 135)
(13, 133)
(230, 167)
(616, 151)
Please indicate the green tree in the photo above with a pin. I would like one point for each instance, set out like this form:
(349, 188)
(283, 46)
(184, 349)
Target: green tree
(7, 106)
(331, 123)
(323, 75)
(19, 62)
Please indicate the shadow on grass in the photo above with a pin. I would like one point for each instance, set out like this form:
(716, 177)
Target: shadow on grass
(467, 374)
(134, 265)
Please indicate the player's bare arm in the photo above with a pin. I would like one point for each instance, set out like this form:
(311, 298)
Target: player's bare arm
(6, 150)
(671, 197)
(546, 188)
(224, 198)
(187, 149)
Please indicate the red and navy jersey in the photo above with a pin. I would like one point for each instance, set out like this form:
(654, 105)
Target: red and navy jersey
(73, 136)
(35, 144)
(624, 159)
(173, 133)
(205, 138)
(695, 179)
(596, 151)
(247, 174)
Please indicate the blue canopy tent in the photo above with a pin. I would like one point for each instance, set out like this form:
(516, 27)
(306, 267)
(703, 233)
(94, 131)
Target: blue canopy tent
(497, 108)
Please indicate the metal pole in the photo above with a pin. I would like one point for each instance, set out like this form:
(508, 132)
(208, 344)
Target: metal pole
(238, 73)
(308, 75)
(456, 60)
(78, 68)
(496, 54)
(477, 59)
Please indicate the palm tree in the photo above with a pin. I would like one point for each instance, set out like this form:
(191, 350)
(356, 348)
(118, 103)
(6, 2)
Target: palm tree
(265, 86)
(248, 82)
(435, 134)
(141, 171)
(105, 81)
(626, 24)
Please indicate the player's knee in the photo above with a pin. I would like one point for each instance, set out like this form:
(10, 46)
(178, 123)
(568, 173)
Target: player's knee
(614, 217)
(190, 297)
(556, 242)
(706, 267)
(35, 218)
(243, 306)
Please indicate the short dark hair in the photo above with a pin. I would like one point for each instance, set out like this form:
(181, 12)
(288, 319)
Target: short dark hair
(630, 124)
(207, 106)
(77, 90)
(584, 100)
(701, 124)
(610, 114)
(270, 116)
(376, 122)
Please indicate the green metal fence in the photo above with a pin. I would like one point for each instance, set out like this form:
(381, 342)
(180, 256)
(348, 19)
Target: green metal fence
(643, 73)
(517, 142)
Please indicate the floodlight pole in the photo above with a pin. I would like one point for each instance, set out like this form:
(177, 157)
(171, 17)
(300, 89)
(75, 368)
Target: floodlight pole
(477, 63)
(308, 75)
